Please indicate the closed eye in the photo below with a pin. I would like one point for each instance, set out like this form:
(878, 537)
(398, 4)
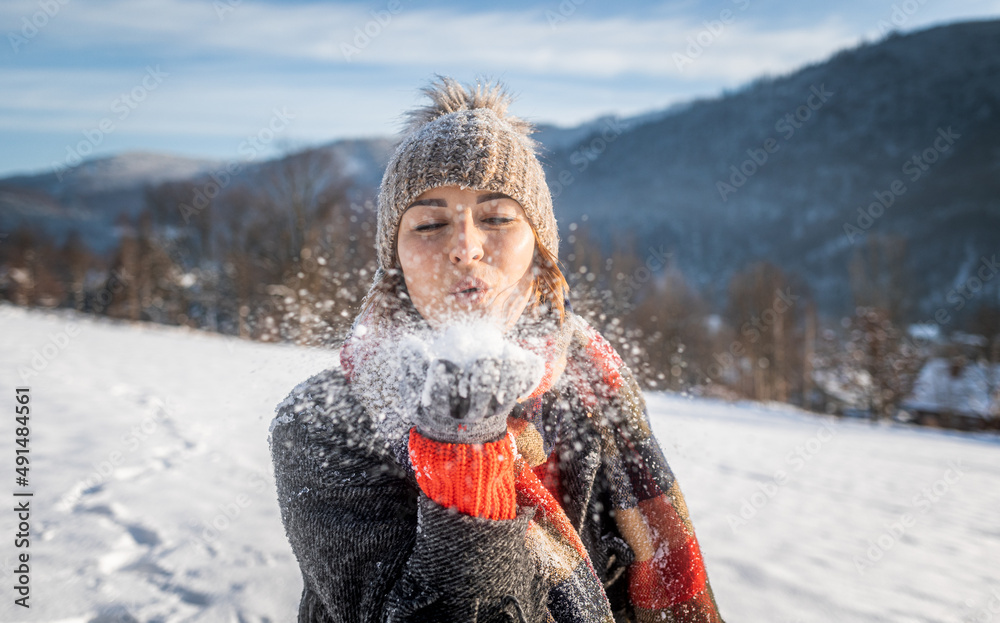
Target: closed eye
(498, 220)
(429, 227)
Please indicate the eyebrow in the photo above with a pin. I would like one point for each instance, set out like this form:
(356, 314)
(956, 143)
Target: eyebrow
(491, 197)
(441, 203)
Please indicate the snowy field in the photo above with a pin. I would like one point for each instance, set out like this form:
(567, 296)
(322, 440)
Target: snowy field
(154, 498)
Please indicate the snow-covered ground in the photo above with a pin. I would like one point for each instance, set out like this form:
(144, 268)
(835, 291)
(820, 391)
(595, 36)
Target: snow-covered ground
(153, 491)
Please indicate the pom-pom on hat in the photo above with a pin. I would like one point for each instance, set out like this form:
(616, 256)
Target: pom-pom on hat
(464, 138)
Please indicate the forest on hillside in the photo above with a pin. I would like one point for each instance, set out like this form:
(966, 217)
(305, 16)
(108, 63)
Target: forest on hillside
(290, 259)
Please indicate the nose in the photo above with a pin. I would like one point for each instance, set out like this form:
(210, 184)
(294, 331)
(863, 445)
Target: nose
(466, 242)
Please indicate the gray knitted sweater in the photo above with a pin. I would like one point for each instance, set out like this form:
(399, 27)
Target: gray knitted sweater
(372, 547)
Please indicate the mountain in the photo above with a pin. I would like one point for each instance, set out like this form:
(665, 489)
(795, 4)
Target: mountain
(777, 170)
(90, 197)
(906, 129)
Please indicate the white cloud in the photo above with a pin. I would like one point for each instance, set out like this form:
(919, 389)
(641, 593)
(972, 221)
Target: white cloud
(224, 68)
(228, 71)
(521, 41)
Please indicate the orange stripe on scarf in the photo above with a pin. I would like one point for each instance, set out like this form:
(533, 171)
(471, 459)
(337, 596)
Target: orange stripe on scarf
(671, 578)
(531, 492)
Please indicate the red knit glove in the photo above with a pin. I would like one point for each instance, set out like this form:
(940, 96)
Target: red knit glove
(476, 479)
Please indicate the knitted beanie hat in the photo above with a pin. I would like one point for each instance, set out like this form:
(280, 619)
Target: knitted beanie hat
(463, 138)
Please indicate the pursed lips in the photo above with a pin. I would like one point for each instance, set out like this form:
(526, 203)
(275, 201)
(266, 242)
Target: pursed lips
(470, 286)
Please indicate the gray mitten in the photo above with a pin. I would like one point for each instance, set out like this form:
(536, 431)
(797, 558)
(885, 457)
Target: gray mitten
(466, 401)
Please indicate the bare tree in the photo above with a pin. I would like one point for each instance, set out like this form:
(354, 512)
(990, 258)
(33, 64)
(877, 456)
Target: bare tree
(879, 278)
(809, 355)
(672, 318)
(75, 261)
(887, 364)
(763, 306)
(884, 363)
(986, 322)
(28, 277)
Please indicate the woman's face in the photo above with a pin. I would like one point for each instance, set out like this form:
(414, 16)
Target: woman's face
(466, 252)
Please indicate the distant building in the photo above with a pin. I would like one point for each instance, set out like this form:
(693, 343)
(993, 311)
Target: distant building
(956, 393)
(841, 392)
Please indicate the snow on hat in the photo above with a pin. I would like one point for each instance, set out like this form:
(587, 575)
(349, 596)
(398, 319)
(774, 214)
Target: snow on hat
(463, 138)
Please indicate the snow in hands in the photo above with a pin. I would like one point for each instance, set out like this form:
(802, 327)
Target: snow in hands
(462, 380)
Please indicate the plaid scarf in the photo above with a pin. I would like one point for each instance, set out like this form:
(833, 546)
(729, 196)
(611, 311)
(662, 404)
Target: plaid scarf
(666, 577)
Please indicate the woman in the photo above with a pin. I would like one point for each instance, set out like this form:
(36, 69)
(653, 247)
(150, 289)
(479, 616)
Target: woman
(482, 454)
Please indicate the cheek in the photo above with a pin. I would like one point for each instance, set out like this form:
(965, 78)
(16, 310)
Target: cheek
(415, 252)
(421, 263)
(515, 252)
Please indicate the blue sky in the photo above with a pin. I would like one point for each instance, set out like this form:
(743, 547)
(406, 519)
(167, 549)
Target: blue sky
(197, 77)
